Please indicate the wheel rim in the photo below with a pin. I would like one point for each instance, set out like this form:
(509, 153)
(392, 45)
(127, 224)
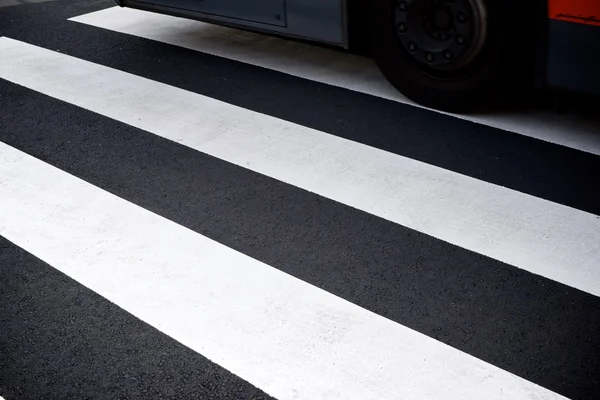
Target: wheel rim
(441, 35)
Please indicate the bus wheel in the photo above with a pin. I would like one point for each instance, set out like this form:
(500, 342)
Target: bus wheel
(454, 55)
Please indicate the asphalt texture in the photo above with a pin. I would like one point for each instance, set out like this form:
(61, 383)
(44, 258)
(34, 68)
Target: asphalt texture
(84, 347)
(61, 340)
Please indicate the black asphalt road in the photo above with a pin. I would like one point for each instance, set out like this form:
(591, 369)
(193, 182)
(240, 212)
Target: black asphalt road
(58, 340)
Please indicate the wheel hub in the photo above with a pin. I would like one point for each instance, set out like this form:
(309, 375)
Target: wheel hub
(441, 34)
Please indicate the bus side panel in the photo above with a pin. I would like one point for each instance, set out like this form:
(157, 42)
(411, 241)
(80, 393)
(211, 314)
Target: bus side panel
(316, 20)
(322, 20)
(573, 59)
(270, 12)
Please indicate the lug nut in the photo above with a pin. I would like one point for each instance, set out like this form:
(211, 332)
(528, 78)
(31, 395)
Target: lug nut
(448, 55)
(402, 27)
(462, 17)
(460, 39)
(412, 46)
(429, 57)
(402, 6)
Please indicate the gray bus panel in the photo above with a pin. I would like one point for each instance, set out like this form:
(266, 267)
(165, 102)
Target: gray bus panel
(263, 11)
(318, 20)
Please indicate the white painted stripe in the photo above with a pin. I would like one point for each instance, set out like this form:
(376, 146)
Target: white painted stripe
(290, 339)
(545, 238)
(580, 131)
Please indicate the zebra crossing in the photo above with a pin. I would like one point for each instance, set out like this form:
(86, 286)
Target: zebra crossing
(401, 190)
(218, 226)
(254, 320)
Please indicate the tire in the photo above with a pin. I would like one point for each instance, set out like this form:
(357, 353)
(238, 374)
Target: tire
(498, 65)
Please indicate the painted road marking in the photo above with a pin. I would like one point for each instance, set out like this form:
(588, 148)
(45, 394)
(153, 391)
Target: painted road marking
(548, 239)
(283, 335)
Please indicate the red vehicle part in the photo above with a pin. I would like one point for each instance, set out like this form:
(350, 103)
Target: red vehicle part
(585, 12)
(573, 45)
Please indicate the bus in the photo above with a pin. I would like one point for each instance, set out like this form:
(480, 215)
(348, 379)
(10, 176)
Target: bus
(451, 55)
